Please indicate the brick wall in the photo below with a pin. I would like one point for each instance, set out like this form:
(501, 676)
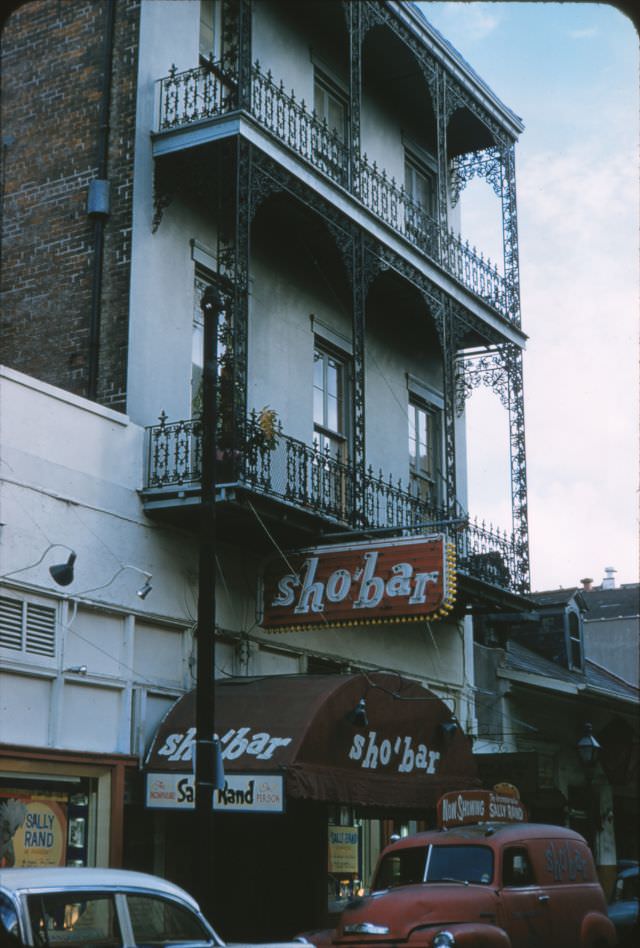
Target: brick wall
(52, 67)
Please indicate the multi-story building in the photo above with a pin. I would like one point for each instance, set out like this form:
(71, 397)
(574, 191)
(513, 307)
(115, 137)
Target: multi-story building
(299, 168)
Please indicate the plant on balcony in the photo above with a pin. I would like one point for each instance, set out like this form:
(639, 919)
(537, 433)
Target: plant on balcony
(265, 428)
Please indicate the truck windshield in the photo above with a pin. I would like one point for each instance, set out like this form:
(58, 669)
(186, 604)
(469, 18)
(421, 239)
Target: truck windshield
(460, 864)
(435, 864)
(403, 867)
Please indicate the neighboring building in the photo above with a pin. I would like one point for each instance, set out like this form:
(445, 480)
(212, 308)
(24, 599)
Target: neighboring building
(305, 162)
(612, 626)
(539, 694)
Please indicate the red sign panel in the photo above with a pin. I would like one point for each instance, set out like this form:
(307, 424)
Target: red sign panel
(479, 806)
(359, 583)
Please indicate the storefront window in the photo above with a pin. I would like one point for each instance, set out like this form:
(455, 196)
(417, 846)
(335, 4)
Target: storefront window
(344, 861)
(44, 824)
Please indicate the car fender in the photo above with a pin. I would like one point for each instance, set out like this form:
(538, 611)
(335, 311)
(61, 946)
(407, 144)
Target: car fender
(466, 934)
(596, 930)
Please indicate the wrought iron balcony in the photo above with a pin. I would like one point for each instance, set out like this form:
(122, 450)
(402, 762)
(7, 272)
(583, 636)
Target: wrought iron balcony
(296, 474)
(210, 91)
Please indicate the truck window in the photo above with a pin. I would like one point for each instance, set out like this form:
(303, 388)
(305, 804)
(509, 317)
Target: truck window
(460, 864)
(404, 867)
(435, 864)
(516, 867)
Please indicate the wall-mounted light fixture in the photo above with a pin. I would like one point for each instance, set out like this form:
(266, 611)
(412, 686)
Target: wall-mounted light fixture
(61, 573)
(142, 592)
(76, 670)
(358, 716)
(447, 730)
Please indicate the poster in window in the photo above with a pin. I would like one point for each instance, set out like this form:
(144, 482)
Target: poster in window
(343, 849)
(33, 828)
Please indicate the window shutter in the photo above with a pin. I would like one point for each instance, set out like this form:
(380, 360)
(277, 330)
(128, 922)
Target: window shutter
(27, 627)
(10, 623)
(41, 630)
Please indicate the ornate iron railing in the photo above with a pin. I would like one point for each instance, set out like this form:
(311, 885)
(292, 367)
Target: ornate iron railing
(300, 129)
(210, 91)
(195, 95)
(287, 469)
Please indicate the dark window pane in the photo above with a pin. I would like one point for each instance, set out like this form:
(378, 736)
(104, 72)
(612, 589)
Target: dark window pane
(402, 868)
(157, 921)
(466, 863)
(77, 918)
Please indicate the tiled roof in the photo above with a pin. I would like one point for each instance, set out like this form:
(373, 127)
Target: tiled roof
(613, 603)
(594, 678)
(555, 597)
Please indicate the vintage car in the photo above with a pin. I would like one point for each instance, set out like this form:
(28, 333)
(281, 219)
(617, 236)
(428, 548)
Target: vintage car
(624, 908)
(99, 908)
(485, 885)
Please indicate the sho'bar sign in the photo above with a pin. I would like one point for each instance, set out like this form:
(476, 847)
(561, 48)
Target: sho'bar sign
(360, 583)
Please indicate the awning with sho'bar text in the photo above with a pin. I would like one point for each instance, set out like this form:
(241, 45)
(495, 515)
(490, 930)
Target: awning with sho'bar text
(407, 755)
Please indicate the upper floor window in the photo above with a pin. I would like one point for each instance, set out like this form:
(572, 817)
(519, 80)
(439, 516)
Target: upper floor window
(424, 450)
(421, 189)
(331, 107)
(209, 29)
(575, 642)
(330, 390)
(201, 282)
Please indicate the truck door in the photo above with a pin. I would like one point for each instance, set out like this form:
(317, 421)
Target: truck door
(524, 905)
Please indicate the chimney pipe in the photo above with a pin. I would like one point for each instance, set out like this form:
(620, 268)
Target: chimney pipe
(587, 584)
(609, 581)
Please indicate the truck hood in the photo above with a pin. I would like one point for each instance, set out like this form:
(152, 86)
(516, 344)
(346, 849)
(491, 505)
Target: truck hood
(405, 908)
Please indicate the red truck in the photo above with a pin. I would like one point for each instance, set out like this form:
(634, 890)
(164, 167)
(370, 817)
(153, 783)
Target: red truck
(480, 882)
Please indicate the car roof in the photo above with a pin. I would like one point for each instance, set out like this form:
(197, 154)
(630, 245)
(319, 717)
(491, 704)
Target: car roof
(486, 832)
(71, 877)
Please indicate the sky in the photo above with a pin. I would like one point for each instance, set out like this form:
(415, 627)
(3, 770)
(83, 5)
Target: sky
(570, 71)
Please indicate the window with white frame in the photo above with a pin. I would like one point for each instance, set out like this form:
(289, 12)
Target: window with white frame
(27, 627)
(209, 39)
(575, 642)
(421, 189)
(200, 282)
(330, 401)
(424, 449)
(331, 107)
(330, 104)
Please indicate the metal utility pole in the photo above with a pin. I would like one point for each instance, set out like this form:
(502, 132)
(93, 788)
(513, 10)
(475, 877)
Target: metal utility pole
(207, 774)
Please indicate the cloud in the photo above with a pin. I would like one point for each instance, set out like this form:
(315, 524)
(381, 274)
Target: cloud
(470, 22)
(580, 289)
(586, 33)
(579, 271)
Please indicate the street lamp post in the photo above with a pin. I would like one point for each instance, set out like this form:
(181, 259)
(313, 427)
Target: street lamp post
(207, 760)
(588, 749)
